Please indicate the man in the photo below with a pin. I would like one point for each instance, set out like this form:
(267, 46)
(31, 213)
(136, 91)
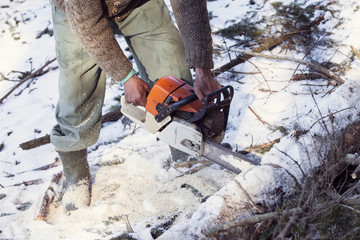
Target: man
(86, 49)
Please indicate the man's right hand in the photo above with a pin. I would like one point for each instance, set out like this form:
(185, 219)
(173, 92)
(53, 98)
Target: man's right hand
(135, 90)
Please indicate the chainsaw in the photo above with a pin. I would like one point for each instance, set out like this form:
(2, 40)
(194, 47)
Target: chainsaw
(176, 115)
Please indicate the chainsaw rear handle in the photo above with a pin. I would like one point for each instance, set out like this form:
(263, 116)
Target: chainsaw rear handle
(141, 117)
(164, 111)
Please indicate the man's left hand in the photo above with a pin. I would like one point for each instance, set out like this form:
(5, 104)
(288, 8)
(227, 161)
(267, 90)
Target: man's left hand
(204, 83)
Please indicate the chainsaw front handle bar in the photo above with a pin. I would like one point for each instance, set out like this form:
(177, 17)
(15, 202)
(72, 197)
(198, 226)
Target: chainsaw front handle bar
(217, 100)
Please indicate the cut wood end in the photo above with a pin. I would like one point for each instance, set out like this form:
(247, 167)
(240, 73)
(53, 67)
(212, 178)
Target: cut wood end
(355, 50)
(40, 218)
(333, 83)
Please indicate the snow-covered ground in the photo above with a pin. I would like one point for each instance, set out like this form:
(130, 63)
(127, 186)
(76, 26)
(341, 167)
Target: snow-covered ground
(135, 184)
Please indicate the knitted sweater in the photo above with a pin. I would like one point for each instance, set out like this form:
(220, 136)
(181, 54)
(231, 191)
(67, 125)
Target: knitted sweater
(89, 21)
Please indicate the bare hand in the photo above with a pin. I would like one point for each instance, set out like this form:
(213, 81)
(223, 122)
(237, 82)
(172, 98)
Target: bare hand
(135, 90)
(204, 83)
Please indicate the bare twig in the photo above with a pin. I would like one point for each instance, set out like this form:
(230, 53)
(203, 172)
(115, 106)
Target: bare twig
(258, 147)
(257, 116)
(128, 225)
(297, 164)
(192, 171)
(260, 210)
(329, 115)
(31, 81)
(260, 74)
(34, 74)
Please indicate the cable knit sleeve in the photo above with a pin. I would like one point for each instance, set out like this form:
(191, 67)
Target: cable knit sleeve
(193, 21)
(93, 31)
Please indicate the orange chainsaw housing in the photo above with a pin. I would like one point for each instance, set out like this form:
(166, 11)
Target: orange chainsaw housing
(170, 89)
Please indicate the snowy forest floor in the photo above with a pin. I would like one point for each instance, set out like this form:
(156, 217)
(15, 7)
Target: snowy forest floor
(137, 190)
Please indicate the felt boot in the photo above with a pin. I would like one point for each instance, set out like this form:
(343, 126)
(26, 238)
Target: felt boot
(77, 179)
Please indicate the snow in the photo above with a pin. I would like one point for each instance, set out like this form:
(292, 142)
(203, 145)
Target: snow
(134, 184)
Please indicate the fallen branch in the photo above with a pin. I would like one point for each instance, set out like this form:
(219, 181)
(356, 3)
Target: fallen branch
(317, 67)
(37, 142)
(27, 183)
(329, 116)
(253, 219)
(306, 76)
(268, 44)
(351, 202)
(34, 74)
(292, 221)
(196, 169)
(49, 195)
(242, 221)
(299, 93)
(45, 167)
(112, 116)
(260, 210)
(267, 90)
(192, 171)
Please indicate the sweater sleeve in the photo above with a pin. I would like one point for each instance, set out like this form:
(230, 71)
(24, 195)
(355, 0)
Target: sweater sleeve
(193, 21)
(94, 33)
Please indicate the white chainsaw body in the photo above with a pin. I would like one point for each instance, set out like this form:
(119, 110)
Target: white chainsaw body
(178, 133)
